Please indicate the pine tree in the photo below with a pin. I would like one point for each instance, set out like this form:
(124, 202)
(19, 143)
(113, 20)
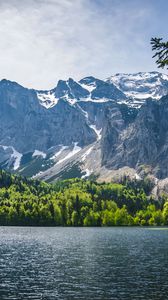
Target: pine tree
(161, 52)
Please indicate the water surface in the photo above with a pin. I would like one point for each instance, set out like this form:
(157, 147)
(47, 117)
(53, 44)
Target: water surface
(83, 263)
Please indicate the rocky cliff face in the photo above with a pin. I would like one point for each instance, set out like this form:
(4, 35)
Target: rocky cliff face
(143, 142)
(86, 127)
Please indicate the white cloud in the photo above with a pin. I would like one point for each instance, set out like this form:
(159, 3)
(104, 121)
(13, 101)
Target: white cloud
(46, 40)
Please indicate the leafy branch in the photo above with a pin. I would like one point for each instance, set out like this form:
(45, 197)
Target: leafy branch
(161, 52)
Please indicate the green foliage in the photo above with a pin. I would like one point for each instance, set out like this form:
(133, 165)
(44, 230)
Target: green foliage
(78, 202)
(165, 213)
(161, 51)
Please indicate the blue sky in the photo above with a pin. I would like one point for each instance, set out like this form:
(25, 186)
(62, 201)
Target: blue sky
(46, 40)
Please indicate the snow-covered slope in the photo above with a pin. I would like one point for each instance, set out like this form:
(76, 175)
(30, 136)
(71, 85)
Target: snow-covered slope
(140, 86)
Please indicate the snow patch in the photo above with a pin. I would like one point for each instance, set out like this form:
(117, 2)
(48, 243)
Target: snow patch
(89, 87)
(59, 152)
(97, 131)
(165, 77)
(141, 95)
(86, 153)
(16, 155)
(5, 147)
(71, 101)
(87, 173)
(137, 176)
(98, 100)
(39, 153)
(38, 174)
(74, 151)
(47, 99)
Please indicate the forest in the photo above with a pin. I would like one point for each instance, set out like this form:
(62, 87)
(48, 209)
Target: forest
(77, 202)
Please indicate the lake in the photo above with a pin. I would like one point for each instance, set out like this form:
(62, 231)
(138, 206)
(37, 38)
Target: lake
(83, 263)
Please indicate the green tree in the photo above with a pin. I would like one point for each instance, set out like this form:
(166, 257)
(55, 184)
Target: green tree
(161, 51)
(121, 216)
(165, 213)
(108, 218)
(92, 219)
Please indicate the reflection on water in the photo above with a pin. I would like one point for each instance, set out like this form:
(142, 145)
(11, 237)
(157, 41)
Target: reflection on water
(83, 263)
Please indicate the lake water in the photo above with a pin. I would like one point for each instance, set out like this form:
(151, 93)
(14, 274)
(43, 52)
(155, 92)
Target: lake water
(83, 263)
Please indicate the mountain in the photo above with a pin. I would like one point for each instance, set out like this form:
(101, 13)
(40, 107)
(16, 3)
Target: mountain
(87, 89)
(104, 128)
(140, 86)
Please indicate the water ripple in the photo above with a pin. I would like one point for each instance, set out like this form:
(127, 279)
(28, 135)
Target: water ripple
(83, 263)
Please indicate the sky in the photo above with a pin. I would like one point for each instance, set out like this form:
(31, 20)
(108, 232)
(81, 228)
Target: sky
(42, 41)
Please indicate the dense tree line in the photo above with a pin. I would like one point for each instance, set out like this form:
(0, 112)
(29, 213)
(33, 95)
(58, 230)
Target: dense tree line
(77, 202)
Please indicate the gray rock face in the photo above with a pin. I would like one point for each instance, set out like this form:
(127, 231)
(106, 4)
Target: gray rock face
(70, 88)
(103, 89)
(143, 142)
(95, 112)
